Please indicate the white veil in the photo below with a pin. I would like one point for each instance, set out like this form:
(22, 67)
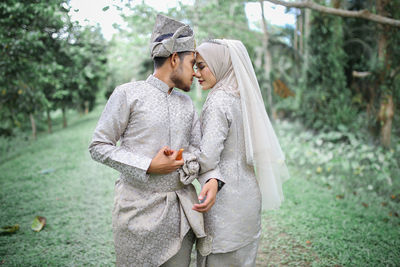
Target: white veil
(262, 146)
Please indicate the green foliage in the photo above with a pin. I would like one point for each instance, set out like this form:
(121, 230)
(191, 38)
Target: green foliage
(128, 52)
(26, 32)
(345, 160)
(47, 62)
(327, 101)
(343, 197)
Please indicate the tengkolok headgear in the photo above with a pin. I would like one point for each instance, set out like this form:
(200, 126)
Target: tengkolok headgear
(170, 36)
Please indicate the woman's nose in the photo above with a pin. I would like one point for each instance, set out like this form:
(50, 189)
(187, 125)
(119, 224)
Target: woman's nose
(197, 74)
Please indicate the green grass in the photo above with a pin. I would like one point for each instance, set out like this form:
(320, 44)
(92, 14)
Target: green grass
(340, 231)
(77, 198)
(327, 220)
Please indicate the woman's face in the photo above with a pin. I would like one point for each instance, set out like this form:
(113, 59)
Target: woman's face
(203, 74)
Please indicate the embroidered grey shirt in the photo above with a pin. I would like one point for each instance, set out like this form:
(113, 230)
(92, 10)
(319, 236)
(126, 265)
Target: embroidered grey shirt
(152, 213)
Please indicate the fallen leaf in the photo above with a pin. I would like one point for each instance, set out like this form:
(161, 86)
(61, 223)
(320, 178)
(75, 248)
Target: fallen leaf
(384, 204)
(9, 229)
(390, 214)
(396, 214)
(393, 196)
(38, 223)
(365, 204)
(308, 242)
(46, 171)
(339, 196)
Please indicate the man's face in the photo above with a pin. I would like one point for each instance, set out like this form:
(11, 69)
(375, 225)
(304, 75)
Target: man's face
(182, 76)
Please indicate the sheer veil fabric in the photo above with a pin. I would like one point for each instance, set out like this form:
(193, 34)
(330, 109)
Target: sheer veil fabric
(231, 65)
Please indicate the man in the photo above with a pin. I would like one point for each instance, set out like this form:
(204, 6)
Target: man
(153, 220)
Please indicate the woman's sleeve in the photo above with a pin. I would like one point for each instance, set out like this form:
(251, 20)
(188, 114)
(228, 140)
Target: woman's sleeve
(111, 126)
(215, 128)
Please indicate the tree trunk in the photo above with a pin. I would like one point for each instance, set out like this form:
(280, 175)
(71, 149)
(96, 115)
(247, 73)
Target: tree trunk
(305, 33)
(386, 114)
(296, 33)
(49, 124)
(386, 110)
(307, 30)
(86, 107)
(33, 125)
(301, 28)
(267, 61)
(64, 117)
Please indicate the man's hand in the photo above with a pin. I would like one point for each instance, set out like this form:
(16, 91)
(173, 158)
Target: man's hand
(209, 192)
(162, 164)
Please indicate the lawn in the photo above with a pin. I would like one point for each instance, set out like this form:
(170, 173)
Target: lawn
(54, 177)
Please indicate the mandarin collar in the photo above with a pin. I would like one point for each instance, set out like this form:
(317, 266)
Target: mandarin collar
(162, 86)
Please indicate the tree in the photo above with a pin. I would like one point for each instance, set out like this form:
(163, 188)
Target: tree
(47, 62)
(26, 28)
(383, 72)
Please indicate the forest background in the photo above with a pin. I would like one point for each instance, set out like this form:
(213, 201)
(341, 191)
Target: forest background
(334, 78)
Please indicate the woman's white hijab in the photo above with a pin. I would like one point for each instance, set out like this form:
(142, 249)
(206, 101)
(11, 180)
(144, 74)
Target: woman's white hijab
(218, 59)
(230, 63)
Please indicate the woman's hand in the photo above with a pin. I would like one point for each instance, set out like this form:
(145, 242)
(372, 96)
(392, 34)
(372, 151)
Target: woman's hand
(209, 192)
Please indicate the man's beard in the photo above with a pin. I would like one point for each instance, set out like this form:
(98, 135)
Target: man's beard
(177, 80)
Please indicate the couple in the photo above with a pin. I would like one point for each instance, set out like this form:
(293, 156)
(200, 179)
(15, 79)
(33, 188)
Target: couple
(232, 151)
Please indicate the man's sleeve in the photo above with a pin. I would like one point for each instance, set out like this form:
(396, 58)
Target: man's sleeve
(111, 126)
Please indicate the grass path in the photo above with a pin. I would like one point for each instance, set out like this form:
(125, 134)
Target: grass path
(313, 227)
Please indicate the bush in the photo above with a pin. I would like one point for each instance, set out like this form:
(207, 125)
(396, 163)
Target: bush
(346, 161)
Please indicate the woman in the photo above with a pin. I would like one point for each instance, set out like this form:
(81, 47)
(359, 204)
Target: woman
(237, 139)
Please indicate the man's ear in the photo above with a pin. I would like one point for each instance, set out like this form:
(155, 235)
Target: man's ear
(174, 60)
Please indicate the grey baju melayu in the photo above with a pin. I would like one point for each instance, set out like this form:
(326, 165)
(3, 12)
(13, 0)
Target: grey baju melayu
(152, 213)
(234, 221)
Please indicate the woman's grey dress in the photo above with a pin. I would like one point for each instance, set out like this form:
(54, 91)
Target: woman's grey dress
(234, 221)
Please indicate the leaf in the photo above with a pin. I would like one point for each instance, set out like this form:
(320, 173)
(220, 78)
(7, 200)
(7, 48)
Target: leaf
(106, 8)
(46, 171)
(365, 204)
(339, 196)
(38, 223)
(9, 229)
